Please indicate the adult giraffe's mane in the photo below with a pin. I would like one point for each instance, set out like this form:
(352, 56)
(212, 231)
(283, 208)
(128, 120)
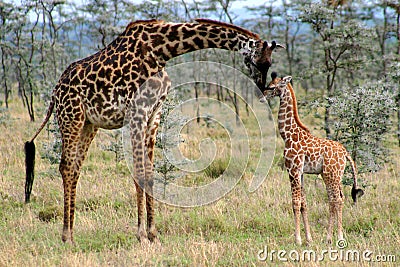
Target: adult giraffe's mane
(143, 22)
(295, 110)
(229, 26)
(200, 21)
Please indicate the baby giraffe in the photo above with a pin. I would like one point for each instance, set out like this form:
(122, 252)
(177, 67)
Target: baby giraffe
(305, 153)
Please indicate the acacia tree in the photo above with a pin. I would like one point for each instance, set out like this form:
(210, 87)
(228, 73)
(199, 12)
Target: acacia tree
(24, 33)
(396, 68)
(343, 40)
(104, 20)
(394, 75)
(30, 48)
(5, 13)
(363, 119)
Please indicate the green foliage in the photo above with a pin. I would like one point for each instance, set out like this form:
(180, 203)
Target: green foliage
(52, 149)
(363, 120)
(216, 168)
(166, 170)
(114, 145)
(394, 74)
(50, 213)
(5, 117)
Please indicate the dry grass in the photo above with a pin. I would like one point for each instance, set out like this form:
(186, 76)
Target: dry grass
(229, 232)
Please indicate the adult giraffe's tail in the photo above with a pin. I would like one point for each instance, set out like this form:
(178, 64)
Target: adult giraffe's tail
(355, 192)
(30, 155)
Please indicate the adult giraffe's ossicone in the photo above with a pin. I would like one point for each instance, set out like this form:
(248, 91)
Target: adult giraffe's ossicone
(95, 92)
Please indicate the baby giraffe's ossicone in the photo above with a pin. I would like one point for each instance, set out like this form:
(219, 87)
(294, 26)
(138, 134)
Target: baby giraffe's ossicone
(305, 153)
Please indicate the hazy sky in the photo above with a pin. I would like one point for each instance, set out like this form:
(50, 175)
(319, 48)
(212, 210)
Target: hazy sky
(237, 7)
(236, 4)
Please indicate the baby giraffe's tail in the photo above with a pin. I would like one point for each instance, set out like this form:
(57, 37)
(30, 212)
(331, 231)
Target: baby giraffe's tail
(355, 192)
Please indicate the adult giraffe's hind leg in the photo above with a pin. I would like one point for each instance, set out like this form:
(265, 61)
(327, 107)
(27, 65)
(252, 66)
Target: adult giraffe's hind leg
(86, 137)
(75, 145)
(70, 142)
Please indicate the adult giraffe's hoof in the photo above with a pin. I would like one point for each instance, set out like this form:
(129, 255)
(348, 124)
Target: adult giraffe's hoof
(155, 241)
(152, 235)
(142, 237)
(69, 241)
(66, 236)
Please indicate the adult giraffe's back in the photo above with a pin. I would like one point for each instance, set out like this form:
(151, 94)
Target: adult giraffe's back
(100, 90)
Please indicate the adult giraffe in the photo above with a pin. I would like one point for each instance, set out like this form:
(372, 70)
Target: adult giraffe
(100, 90)
(305, 153)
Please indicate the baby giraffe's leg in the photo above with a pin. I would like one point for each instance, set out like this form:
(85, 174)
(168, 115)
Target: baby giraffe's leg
(339, 222)
(335, 197)
(296, 203)
(339, 210)
(304, 212)
(330, 222)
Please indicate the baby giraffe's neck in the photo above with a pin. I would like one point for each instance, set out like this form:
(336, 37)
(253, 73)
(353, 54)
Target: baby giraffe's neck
(288, 118)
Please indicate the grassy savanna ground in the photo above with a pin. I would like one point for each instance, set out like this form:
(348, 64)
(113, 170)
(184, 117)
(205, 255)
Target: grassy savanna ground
(229, 232)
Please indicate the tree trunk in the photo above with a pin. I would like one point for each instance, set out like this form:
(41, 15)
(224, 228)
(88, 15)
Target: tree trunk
(398, 58)
(398, 117)
(327, 118)
(3, 64)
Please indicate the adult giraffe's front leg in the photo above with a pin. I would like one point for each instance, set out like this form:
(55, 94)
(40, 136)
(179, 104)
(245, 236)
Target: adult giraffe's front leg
(138, 124)
(151, 135)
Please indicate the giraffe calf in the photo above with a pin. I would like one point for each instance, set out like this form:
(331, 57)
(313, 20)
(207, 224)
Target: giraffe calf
(305, 153)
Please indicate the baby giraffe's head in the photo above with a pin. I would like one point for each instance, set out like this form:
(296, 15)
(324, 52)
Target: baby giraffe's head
(275, 87)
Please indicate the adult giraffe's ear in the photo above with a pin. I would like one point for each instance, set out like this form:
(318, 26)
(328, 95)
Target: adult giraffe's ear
(265, 45)
(275, 45)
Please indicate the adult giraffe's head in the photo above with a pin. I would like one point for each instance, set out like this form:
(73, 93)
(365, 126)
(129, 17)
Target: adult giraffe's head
(258, 61)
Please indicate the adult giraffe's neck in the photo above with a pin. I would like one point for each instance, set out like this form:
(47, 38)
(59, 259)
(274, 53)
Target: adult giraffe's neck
(288, 118)
(168, 40)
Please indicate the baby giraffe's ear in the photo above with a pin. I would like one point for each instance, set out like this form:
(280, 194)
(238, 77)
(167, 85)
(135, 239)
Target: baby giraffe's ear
(287, 79)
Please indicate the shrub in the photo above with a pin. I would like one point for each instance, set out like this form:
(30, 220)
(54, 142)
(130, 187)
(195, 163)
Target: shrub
(363, 118)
